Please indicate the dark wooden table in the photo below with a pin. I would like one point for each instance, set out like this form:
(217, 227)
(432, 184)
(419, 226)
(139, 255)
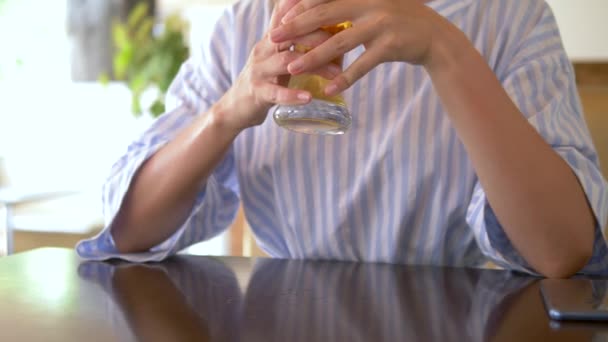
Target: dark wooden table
(47, 295)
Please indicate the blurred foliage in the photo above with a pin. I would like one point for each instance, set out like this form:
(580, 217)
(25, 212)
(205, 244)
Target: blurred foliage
(147, 60)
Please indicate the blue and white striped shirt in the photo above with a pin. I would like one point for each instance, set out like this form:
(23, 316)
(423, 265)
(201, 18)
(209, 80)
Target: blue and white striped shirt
(398, 187)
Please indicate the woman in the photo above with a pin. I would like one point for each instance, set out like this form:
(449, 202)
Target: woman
(467, 144)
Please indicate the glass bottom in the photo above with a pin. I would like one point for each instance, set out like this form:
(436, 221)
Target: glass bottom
(317, 117)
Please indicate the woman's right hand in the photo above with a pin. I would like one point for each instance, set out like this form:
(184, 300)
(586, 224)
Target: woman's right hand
(263, 81)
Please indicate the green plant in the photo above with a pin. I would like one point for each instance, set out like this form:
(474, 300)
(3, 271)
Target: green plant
(143, 59)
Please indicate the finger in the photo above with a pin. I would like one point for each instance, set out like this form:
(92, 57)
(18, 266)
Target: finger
(276, 94)
(300, 8)
(284, 46)
(361, 66)
(281, 7)
(333, 48)
(276, 64)
(328, 72)
(263, 49)
(305, 43)
(325, 14)
(312, 40)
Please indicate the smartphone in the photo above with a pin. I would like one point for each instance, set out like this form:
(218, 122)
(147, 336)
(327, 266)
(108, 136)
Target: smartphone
(575, 299)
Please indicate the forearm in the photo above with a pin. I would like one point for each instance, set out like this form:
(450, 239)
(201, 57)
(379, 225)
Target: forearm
(163, 191)
(533, 192)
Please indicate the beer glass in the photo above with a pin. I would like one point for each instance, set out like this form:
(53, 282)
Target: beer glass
(324, 115)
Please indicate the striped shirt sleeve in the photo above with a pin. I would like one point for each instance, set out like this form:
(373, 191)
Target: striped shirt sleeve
(201, 81)
(540, 80)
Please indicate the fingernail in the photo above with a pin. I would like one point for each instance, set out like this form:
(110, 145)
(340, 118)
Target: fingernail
(331, 89)
(295, 66)
(304, 97)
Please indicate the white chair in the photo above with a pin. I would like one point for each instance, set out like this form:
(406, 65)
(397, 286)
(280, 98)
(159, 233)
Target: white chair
(11, 198)
(42, 213)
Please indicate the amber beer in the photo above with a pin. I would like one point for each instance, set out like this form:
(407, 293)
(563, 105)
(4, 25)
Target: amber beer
(324, 114)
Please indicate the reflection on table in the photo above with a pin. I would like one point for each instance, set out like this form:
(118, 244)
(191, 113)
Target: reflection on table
(190, 298)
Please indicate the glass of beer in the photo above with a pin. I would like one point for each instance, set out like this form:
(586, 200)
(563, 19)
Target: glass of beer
(324, 115)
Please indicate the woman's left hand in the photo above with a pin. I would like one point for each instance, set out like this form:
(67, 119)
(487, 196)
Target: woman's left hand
(390, 30)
